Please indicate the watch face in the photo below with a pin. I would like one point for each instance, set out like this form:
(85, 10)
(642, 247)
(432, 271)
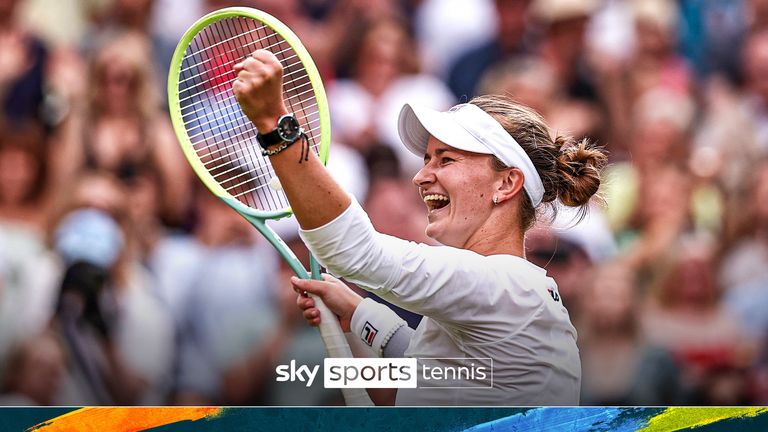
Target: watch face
(288, 128)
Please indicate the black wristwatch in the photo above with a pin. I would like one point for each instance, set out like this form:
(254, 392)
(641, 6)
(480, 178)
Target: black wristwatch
(288, 131)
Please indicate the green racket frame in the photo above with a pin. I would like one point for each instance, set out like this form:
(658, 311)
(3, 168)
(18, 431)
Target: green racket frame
(332, 335)
(255, 217)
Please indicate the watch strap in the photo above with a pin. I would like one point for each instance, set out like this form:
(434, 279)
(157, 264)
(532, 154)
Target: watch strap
(269, 139)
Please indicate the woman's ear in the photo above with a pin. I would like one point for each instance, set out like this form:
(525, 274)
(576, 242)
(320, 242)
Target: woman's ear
(511, 185)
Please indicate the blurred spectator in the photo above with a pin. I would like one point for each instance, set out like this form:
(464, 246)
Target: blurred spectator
(294, 340)
(171, 18)
(565, 261)
(745, 246)
(656, 64)
(755, 59)
(652, 67)
(659, 150)
(685, 316)
(662, 215)
(381, 73)
(121, 128)
(733, 132)
(132, 328)
(526, 78)
(22, 67)
(387, 185)
(446, 29)
(577, 108)
(143, 194)
(756, 14)
(25, 192)
(135, 16)
(531, 81)
(220, 286)
(35, 372)
(563, 44)
(709, 30)
(511, 28)
(95, 374)
(26, 196)
(619, 366)
(744, 264)
(725, 121)
(724, 385)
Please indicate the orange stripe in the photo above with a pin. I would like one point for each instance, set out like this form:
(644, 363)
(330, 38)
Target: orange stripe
(122, 419)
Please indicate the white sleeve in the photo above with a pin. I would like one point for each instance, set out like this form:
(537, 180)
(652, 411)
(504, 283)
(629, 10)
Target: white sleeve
(406, 273)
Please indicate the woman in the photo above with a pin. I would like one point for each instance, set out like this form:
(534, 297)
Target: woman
(119, 128)
(621, 367)
(479, 296)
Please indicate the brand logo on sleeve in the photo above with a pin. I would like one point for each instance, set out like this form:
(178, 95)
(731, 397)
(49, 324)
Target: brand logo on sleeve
(554, 294)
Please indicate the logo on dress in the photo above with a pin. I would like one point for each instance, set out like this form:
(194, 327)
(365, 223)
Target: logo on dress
(554, 294)
(369, 333)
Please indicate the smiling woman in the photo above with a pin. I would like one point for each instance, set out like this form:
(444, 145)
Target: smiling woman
(489, 166)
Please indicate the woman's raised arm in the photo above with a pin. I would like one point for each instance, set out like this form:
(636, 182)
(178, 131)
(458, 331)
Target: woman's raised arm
(315, 197)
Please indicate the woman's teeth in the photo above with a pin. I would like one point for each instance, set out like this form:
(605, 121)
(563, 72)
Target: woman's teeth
(435, 201)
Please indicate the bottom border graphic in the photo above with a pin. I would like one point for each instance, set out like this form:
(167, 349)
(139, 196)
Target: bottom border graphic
(172, 419)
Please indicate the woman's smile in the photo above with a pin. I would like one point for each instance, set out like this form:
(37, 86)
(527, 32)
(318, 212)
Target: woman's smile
(456, 186)
(436, 201)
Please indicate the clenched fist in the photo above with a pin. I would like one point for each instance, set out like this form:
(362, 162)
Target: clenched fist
(259, 89)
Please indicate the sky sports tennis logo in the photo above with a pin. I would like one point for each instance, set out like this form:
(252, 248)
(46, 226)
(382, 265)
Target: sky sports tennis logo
(456, 373)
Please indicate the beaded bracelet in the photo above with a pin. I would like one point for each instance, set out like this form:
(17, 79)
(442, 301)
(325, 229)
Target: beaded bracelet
(285, 145)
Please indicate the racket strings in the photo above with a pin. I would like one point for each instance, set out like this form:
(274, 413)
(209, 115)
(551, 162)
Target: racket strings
(224, 114)
(211, 162)
(223, 138)
(250, 44)
(215, 113)
(222, 82)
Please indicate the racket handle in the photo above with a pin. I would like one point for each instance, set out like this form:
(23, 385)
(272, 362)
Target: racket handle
(335, 341)
(314, 267)
(337, 347)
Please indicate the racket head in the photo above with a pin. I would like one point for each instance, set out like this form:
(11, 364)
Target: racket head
(217, 139)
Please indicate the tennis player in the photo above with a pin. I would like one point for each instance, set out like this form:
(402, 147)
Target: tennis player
(490, 166)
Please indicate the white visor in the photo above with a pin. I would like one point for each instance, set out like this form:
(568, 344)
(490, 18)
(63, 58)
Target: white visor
(467, 127)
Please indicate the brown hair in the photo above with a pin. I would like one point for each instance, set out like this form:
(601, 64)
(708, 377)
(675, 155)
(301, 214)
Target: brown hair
(569, 169)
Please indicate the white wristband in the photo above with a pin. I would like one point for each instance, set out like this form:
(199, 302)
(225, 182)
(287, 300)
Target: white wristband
(375, 324)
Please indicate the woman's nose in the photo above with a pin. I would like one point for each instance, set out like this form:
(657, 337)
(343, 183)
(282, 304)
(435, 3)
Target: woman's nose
(424, 176)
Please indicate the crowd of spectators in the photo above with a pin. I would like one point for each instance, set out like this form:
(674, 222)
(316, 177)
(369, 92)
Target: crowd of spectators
(123, 281)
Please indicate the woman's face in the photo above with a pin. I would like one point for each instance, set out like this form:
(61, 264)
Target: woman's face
(611, 297)
(18, 170)
(457, 186)
(119, 83)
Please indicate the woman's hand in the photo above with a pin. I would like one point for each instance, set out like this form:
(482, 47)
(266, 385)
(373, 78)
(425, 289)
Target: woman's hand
(339, 298)
(259, 89)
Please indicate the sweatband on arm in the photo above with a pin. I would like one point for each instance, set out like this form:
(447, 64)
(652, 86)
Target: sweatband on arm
(375, 324)
(399, 342)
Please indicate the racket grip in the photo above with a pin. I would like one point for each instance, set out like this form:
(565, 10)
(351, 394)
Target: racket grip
(337, 347)
(314, 267)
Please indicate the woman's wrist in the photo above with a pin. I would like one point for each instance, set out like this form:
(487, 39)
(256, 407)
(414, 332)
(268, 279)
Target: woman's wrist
(268, 123)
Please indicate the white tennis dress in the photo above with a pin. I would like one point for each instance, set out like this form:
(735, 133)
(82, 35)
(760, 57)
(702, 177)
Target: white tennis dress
(498, 307)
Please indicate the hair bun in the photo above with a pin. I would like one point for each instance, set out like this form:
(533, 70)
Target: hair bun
(578, 165)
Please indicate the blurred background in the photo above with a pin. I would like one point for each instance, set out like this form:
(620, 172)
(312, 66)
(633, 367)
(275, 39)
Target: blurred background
(122, 281)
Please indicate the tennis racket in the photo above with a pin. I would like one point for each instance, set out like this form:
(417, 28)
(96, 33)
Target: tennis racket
(219, 141)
